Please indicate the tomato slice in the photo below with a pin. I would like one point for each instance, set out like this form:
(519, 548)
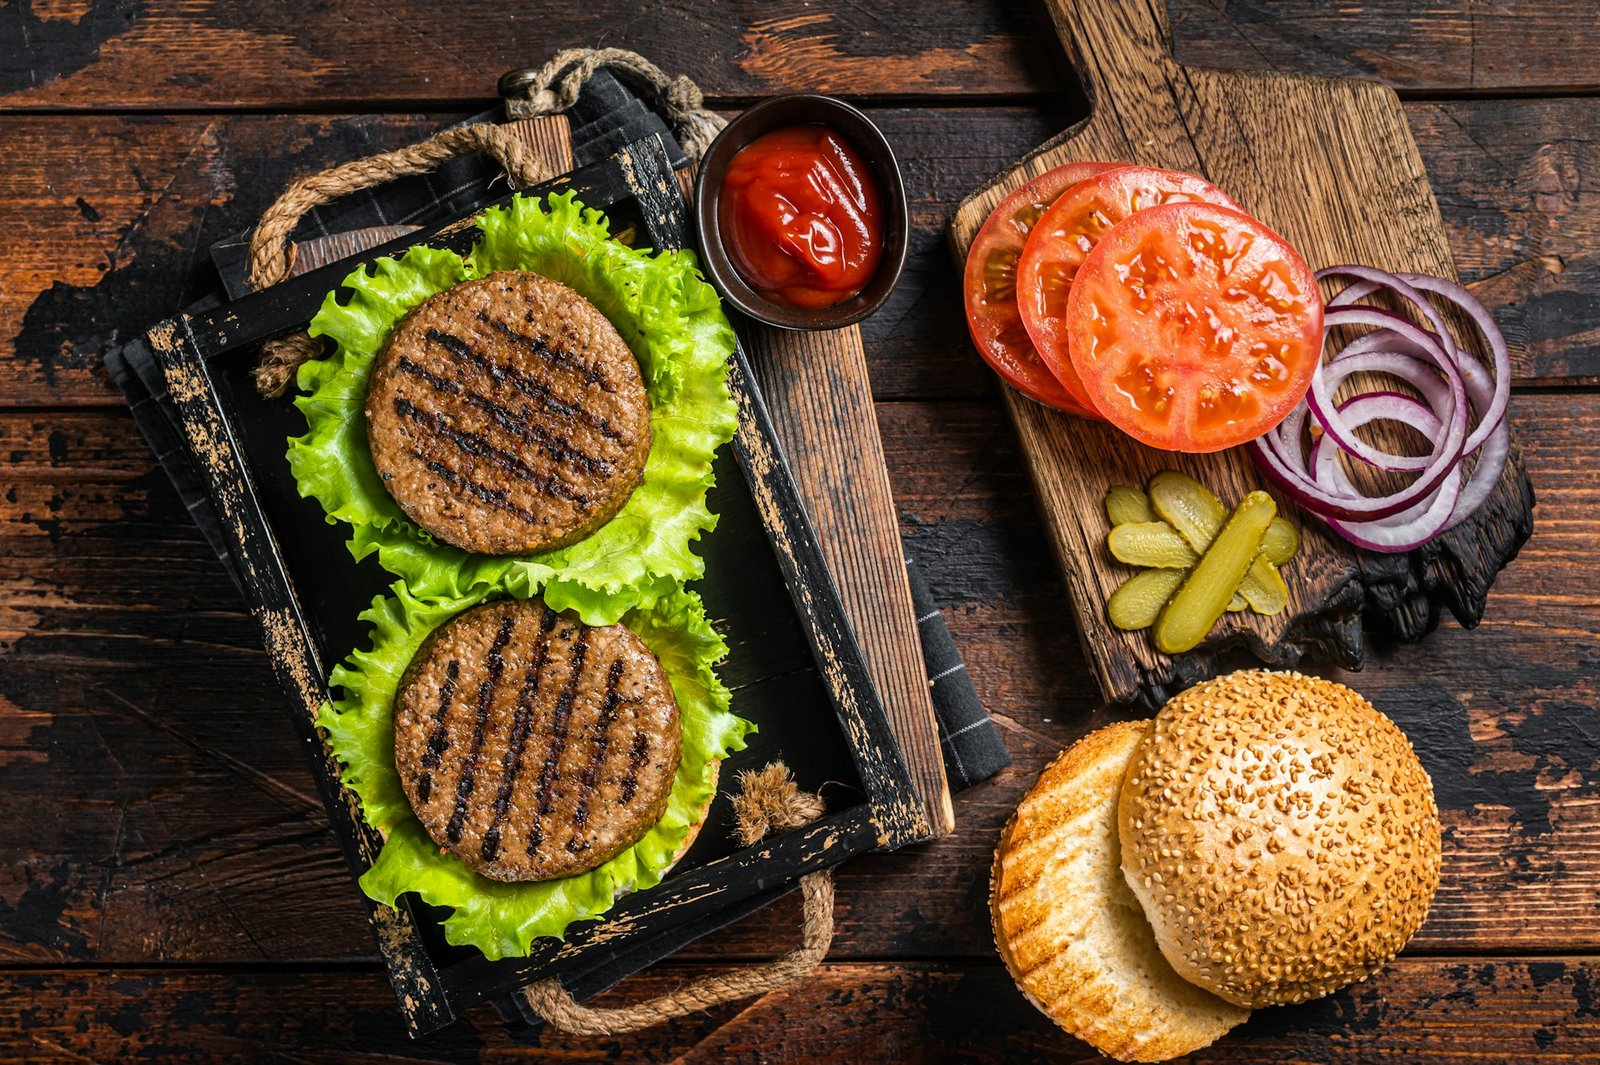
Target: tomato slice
(1194, 327)
(991, 285)
(1066, 234)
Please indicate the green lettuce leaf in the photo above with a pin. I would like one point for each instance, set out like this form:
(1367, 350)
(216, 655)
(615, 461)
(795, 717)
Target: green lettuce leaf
(501, 919)
(670, 318)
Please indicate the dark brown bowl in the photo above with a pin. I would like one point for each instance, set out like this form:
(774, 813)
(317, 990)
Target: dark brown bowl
(779, 113)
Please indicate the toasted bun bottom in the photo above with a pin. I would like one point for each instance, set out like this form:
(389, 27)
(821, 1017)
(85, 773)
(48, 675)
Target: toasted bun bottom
(1070, 930)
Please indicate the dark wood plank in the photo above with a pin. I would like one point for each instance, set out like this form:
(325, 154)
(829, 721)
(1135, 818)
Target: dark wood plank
(817, 388)
(1417, 45)
(126, 660)
(156, 54)
(1414, 1010)
(1514, 184)
(169, 54)
(96, 670)
(110, 218)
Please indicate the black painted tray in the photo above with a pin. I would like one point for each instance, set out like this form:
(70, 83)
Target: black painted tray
(794, 666)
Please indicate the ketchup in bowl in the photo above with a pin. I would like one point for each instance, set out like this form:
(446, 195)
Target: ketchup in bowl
(801, 217)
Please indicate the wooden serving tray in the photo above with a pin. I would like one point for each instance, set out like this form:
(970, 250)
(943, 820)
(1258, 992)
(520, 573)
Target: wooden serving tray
(794, 665)
(1331, 165)
(817, 387)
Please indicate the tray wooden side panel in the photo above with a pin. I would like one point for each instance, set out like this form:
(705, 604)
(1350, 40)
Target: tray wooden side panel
(1331, 165)
(820, 396)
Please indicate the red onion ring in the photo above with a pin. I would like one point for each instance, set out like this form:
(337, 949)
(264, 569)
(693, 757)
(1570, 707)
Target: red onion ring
(1413, 526)
(1491, 413)
(1491, 457)
(1455, 385)
(1447, 448)
(1438, 402)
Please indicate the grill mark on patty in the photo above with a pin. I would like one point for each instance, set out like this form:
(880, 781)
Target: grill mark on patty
(491, 496)
(558, 742)
(433, 380)
(479, 447)
(468, 780)
(638, 755)
(439, 735)
(554, 445)
(521, 729)
(531, 387)
(601, 735)
(591, 375)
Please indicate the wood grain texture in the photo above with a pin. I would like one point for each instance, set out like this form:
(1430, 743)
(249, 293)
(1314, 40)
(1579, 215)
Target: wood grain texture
(1413, 1010)
(212, 53)
(1331, 165)
(156, 798)
(152, 54)
(126, 659)
(820, 396)
(1416, 45)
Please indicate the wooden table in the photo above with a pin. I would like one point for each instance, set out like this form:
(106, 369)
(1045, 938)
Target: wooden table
(168, 884)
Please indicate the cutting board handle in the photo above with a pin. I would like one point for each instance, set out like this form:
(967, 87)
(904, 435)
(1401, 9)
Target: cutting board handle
(1113, 43)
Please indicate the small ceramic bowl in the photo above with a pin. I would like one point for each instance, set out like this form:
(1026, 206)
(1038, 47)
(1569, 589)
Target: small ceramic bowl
(779, 113)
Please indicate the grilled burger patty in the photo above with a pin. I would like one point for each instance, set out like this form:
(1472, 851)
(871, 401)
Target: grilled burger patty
(507, 416)
(533, 746)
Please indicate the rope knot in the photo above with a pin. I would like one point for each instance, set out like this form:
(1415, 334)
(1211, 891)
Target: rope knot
(770, 801)
(682, 98)
(543, 102)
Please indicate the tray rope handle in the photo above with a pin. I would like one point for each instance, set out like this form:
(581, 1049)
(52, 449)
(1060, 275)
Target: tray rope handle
(768, 801)
(529, 93)
(534, 91)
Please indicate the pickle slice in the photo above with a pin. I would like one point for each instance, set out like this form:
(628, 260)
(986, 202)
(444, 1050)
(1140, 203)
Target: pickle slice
(1281, 543)
(1237, 603)
(1124, 503)
(1188, 506)
(1263, 587)
(1138, 601)
(1197, 515)
(1150, 543)
(1203, 596)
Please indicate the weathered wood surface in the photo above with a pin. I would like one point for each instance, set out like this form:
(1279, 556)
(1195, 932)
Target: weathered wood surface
(819, 394)
(153, 54)
(1545, 1009)
(108, 218)
(159, 812)
(1330, 164)
(127, 662)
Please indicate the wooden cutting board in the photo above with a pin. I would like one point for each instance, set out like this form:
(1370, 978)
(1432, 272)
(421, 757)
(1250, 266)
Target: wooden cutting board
(1331, 165)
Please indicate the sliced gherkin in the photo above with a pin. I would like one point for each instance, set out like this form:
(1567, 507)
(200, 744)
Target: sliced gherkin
(1203, 596)
(1281, 543)
(1124, 503)
(1197, 514)
(1138, 601)
(1150, 543)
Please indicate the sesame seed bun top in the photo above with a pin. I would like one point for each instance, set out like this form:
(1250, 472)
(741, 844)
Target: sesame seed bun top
(1280, 834)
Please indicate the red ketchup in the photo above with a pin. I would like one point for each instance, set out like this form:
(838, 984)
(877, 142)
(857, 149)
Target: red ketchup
(801, 217)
